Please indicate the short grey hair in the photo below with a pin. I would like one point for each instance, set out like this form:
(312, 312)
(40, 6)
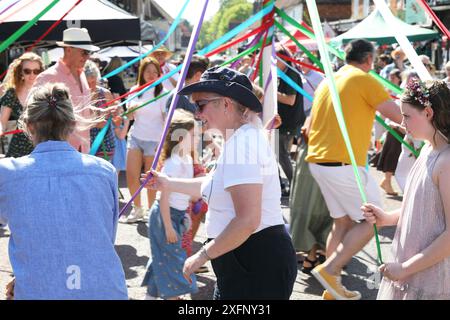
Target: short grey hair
(91, 70)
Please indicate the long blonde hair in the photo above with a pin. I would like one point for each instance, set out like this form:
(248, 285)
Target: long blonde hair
(14, 78)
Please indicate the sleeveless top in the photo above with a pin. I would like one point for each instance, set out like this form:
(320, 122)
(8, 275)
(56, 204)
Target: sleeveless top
(422, 220)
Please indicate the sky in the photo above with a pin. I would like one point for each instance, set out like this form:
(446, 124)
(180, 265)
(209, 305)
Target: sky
(193, 9)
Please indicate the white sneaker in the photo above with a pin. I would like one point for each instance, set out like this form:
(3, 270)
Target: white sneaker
(136, 214)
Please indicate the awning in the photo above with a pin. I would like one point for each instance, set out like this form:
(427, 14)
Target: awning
(374, 28)
(104, 20)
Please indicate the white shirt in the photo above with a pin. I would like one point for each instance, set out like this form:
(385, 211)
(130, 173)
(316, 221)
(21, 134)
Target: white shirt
(149, 120)
(167, 84)
(178, 167)
(247, 158)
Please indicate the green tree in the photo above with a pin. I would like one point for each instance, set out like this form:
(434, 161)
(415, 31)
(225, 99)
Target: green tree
(231, 12)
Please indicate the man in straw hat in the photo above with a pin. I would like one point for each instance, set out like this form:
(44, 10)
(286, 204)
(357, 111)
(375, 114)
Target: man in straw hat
(162, 54)
(69, 70)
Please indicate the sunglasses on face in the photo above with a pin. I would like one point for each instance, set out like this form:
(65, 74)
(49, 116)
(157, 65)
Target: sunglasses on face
(29, 71)
(201, 104)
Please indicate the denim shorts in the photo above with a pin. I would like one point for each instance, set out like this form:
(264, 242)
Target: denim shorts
(148, 148)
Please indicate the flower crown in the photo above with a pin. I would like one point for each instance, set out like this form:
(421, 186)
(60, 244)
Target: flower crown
(419, 92)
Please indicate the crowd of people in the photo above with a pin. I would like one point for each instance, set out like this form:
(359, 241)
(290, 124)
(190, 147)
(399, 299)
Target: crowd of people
(217, 166)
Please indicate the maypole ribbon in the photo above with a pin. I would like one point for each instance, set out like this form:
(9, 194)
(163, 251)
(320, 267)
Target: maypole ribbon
(235, 41)
(53, 26)
(187, 62)
(208, 48)
(292, 83)
(9, 7)
(99, 138)
(312, 57)
(13, 12)
(338, 53)
(306, 65)
(5, 44)
(314, 14)
(403, 41)
(12, 132)
(434, 17)
(251, 44)
(142, 56)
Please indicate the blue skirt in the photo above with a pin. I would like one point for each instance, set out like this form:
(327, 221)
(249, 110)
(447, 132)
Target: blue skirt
(164, 277)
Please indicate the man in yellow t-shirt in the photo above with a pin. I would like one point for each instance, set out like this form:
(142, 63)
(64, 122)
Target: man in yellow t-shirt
(361, 96)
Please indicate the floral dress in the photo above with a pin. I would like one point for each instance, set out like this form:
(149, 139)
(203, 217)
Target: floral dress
(20, 144)
(106, 150)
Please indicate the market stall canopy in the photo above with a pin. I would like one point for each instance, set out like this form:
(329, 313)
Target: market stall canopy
(104, 20)
(374, 28)
(106, 53)
(308, 43)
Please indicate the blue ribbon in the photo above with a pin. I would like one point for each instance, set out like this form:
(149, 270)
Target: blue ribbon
(209, 48)
(244, 25)
(291, 82)
(142, 56)
(99, 138)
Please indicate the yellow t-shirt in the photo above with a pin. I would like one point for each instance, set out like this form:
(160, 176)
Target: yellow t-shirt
(360, 94)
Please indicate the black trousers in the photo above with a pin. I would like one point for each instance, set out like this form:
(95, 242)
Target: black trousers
(263, 267)
(284, 157)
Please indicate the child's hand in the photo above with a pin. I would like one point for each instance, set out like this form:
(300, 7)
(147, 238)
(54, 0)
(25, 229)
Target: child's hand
(171, 235)
(375, 215)
(117, 121)
(159, 181)
(393, 271)
(101, 124)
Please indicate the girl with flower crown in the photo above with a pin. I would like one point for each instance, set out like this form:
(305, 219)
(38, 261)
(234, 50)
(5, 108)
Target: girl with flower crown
(421, 266)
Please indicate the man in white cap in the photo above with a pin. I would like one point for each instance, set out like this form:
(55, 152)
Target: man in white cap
(69, 70)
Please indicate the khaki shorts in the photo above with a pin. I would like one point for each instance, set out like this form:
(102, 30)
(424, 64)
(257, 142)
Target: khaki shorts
(341, 192)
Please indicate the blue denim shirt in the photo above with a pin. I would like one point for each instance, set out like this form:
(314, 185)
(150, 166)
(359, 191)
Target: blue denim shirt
(62, 210)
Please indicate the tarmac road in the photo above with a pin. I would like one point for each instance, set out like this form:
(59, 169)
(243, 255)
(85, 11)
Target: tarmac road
(133, 248)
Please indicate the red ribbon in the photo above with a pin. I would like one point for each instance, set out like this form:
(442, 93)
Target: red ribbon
(128, 93)
(53, 26)
(12, 132)
(307, 65)
(433, 16)
(260, 56)
(240, 39)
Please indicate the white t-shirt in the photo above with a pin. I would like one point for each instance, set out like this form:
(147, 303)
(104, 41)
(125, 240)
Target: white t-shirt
(149, 120)
(247, 158)
(167, 84)
(178, 167)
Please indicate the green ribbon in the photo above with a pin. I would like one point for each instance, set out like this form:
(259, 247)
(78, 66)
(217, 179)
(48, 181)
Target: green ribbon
(5, 44)
(303, 48)
(397, 136)
(341, 55)
(146, 103)
(338, 53)
(312, 8)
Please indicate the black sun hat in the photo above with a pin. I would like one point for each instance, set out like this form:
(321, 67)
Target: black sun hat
(228, 83)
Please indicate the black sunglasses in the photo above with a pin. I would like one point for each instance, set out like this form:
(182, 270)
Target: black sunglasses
(29, 71)
(202, 103)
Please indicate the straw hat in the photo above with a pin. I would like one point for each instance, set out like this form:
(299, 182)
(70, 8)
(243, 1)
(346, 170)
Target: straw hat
(77, 38)
(398, 52)
(164, 50)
